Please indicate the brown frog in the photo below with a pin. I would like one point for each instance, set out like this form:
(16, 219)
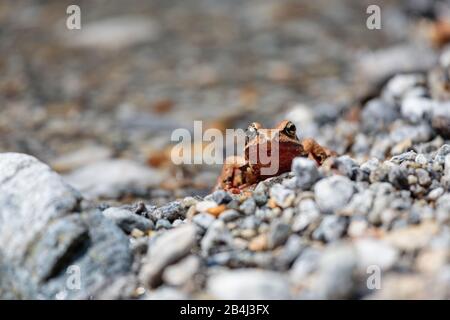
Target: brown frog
(268, 153)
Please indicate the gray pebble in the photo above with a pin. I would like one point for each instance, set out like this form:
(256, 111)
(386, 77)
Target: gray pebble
(306, 172)
(216, 239)
(278, 234)
(248, 284)
(163, 224)
(333, 193)
(172, 211)
(168, 248)
(336, 273)
(331, 228)
(229, 215)
(423, 177)
(128, 220)
(204, 220)
(181, 272)
(260, 198)
(282, 195)
(221, 197)
(248, 207)
(398, 177)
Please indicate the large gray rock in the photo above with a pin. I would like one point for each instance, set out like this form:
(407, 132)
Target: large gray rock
(43, 233)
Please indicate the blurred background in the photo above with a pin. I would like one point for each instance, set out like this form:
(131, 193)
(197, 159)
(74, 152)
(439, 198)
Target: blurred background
(99, 104)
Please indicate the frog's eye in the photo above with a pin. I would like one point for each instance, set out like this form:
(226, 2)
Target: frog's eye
(251, 132)
(290, 129)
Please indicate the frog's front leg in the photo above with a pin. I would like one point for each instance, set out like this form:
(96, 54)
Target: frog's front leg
(315, 151)
(236, 175)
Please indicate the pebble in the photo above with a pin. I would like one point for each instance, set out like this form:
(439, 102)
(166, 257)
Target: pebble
(248, 284)
(421, 159)
(114, 178)
(204, 206)
(434, 194)
(258, 243)
(423, 177)
(81, 157)
(398, 85)
(204, 220)
(216, 237)
(336, 273)
(416, 109)
(229, 215)
(163, 224)
(346, 166)
(372, 252)
(293, 247)
(307, 263)
(308, 214)
(412, 237)
(180, 273)
(332, 228)
(443, 151)
(221, 197)
(333, 193)
(169, 247)
(357, 228)
(113, 33)
(217, 211)
(398, 177)
(172, 211)
(128, 220)
(370, 165)
(260, 198)
(278, 234)
(406, 156)
(447, 165)
(166, 293)
(305, 171)
(248, 207)
(282, 196)
(377, 115)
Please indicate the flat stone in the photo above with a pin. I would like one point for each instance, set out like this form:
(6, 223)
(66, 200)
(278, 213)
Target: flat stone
(305, 171)
(181, 272)
(111, 179)
(167, 249)
(248, 284)
(112, 33)
(128, 220)
(333, 193)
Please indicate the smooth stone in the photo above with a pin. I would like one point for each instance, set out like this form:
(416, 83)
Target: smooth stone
(111, 179)
(203, 220)
(333, 193)
(180, 273)
(248, 284)
(282, 195)
(372, 252)
(169, 247)
(306, 173)
(128, 220)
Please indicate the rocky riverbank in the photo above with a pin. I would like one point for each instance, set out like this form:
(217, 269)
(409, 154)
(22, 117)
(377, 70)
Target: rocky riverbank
(374, 225)
(91, 205)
